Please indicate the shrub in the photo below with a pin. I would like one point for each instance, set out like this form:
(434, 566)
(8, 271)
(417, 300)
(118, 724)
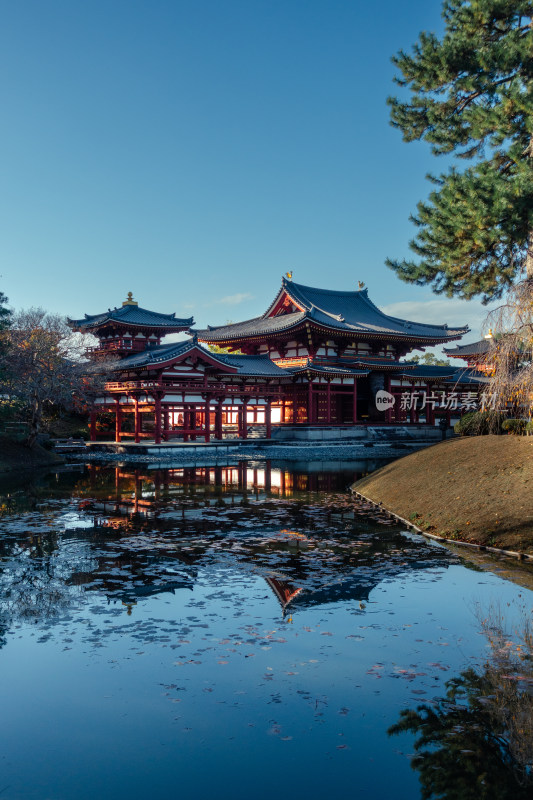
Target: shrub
(516, 427)
(529, 428)
(478, 423)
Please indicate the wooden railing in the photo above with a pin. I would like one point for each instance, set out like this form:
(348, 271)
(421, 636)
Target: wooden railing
(190, 386)
(132, 346)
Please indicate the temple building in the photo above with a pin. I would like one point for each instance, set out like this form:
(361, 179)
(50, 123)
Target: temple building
(315, 358)
(475, 354)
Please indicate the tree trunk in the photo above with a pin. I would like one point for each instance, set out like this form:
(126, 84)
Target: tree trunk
(529, 253)
(35, 422)
(529, 257)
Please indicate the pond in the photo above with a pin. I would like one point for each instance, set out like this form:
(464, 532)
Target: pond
(226, 632)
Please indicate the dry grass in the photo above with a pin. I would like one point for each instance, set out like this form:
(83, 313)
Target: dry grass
(477, 489)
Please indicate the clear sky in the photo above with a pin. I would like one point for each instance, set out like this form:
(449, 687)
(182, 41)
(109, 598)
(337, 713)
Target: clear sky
(193, 151)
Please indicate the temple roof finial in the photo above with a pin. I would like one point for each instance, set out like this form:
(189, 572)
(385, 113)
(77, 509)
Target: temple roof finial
(129, 301)
(289, 276)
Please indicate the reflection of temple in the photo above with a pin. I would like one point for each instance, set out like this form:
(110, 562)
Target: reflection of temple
(316, 357)
(347, 589)
(142, 534)
(154, 530)
(143, 491)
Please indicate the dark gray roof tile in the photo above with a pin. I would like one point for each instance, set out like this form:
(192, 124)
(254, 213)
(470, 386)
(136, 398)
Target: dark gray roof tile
(152, 356)
(130, 315)
(350, 312)
(253, 365)
(472, 349)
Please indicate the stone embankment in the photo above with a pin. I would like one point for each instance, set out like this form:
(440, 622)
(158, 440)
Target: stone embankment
(334, 455)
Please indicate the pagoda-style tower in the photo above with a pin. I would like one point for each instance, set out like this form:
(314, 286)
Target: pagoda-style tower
(128, 329)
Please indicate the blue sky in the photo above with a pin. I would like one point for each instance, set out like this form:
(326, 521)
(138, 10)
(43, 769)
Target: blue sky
(193, 152)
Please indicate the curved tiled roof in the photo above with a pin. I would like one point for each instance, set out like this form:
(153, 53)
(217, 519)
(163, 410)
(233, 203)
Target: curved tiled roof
(130, 315)
(412, 370)
(448, 374)
(328, 369)
(473, 349)
(381, 363)
(236, 364)
(253, 365)
(468, 377)
(348, 312)
(252, 327)
(153, 355)
(156, 356)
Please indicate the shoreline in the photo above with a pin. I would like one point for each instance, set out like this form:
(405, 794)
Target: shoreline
(16, 457)
(520, 555)
(472, 491)
(297, 451)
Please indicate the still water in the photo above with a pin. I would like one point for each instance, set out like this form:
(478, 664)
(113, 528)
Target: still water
(222, 632)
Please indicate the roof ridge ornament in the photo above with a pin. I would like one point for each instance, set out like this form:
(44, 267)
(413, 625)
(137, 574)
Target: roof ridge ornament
(129, 301)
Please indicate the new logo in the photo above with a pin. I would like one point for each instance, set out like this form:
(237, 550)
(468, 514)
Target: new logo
(384, 400)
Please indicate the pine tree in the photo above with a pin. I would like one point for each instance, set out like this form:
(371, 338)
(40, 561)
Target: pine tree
(472, 96)
(5, 319)
(5, 312)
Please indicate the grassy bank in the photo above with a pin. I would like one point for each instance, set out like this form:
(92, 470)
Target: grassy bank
(15, 456)
(476, 489)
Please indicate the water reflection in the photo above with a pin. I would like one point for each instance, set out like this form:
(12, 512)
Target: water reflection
(477, 740)
(132, 534)
(230, 620)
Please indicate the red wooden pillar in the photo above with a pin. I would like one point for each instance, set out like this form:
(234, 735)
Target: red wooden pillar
(268, 476)
(268, 419)
(430, 409)
(207, 413)
(92, 425)
(157, 485)
(244, 419)
(165, 423)
(388, 412)
(218, 419)
(354, 400)
(328, 403)
(157, 431)
(118, 419)
(282, 411)
(186, 422)
(138, 489)
(137, 419)
(192, 421)
(310, 414)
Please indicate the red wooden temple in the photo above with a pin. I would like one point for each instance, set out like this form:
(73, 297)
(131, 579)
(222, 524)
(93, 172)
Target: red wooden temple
(475, 353)
(315, 358)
